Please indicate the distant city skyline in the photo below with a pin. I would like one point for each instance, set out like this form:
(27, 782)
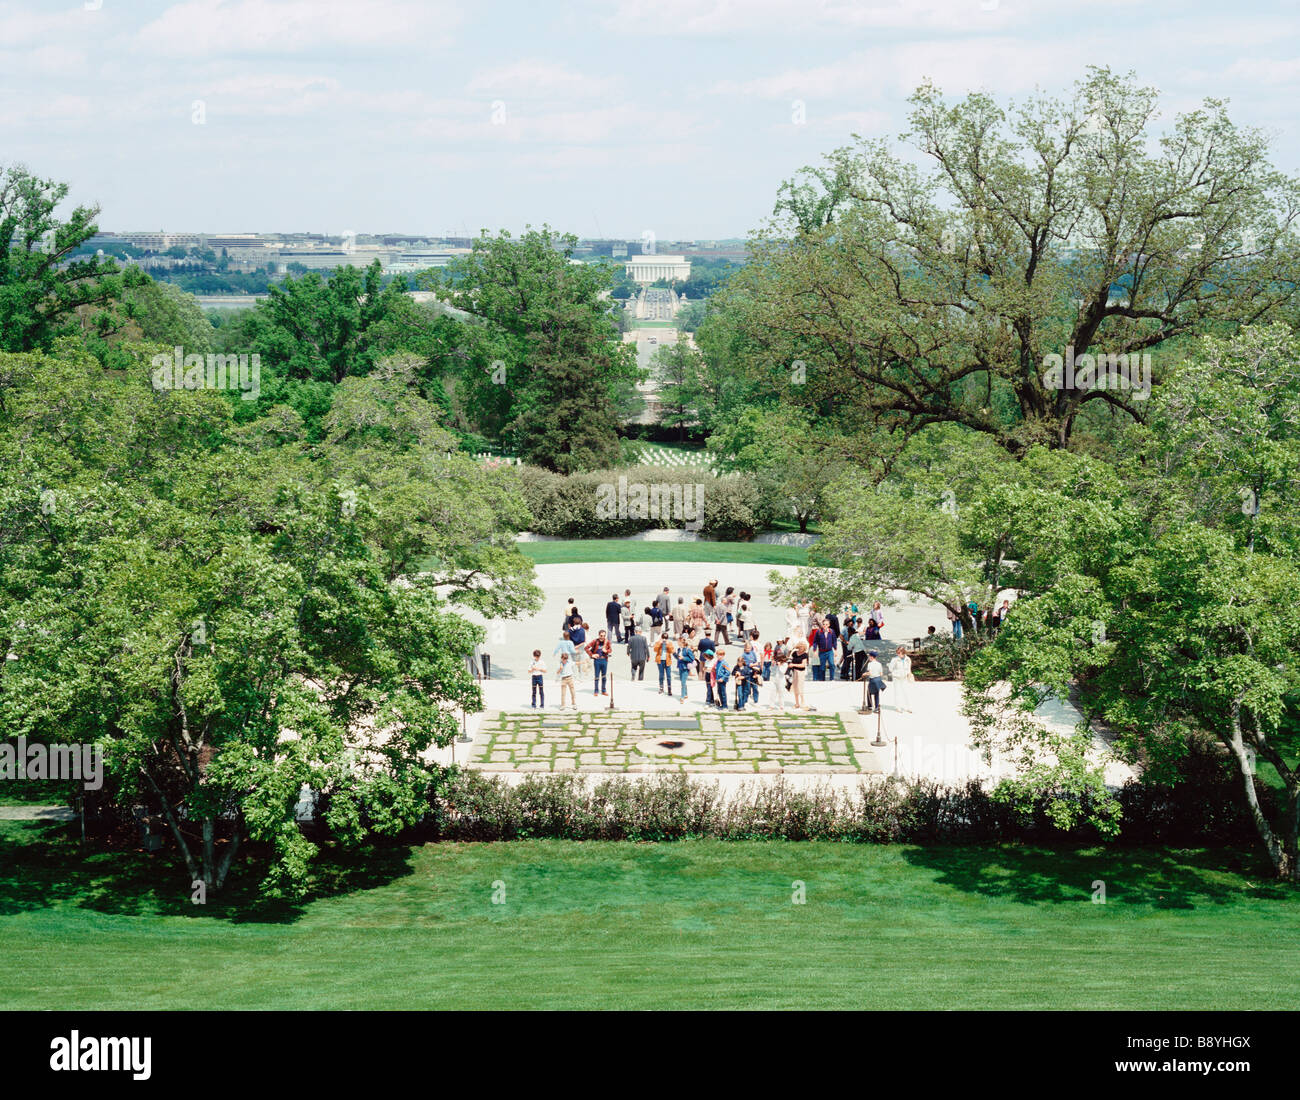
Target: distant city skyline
(604, 120)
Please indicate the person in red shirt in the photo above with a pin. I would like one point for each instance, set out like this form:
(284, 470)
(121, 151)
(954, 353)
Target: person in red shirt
(599, 650)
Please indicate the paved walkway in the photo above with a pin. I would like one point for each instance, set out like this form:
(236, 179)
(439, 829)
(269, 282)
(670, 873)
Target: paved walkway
(733, 742)
(931, 740)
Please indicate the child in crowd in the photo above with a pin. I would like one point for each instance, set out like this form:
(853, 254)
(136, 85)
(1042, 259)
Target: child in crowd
(537, 670)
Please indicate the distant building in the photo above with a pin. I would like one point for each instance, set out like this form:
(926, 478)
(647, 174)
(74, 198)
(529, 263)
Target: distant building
(422, 259)
(217, 242)
(160, 241)
(647, 269)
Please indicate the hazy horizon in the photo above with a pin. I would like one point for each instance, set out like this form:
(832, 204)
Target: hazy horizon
(442, 118)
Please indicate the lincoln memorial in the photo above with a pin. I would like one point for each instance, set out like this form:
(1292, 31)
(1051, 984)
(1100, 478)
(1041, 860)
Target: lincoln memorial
(650, 268)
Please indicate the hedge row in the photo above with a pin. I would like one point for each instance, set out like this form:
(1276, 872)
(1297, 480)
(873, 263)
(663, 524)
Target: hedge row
(470, 805)
(588, 505)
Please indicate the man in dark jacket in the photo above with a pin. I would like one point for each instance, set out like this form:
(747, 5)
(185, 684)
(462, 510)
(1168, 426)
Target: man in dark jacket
(638, 649)
(614, 618)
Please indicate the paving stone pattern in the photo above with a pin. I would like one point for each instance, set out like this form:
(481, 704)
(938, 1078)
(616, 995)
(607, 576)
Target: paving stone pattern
(524, 741)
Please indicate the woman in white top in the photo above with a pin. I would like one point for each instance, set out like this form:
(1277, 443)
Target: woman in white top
(792, 619)
(780, 661)
(900, 672)
(804, 613)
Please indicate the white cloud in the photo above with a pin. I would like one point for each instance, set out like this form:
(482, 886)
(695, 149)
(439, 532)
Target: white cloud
(776, 17)
(296, 26)
(998, 64)
(536, 80)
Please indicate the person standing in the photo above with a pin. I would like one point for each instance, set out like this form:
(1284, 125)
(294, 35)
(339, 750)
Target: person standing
(798, 667)
(877, 616)
(706, 647)
(900, 675)
(599, 650)
(727, 614)
(826, 642)
(578, 636)
(711, 593)
(857, 655)
(679, 618)
(537, 670)
(564, 646)
(565, 673)
(639, 652)
(629, 618)
(721, 674)
(780, 666)
(955, 619)
(656, 616)
(746, 683)
(710, 699)
(685, 662)
(613, 617)
(664, 602)
(664, 650)
(875, 681)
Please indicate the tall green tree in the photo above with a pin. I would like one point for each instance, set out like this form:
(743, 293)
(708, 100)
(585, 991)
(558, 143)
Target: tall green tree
(914, 296)
(541, 359)
(792, 463)
(42, 286)
(226, 610)
(312, 332)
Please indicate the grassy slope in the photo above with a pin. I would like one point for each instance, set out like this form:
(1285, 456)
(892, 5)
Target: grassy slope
(596, 550)
(701, 924)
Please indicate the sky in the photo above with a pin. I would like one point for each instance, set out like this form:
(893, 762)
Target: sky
(445, 117)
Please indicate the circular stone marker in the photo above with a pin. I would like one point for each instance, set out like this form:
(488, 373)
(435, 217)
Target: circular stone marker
(670, 745)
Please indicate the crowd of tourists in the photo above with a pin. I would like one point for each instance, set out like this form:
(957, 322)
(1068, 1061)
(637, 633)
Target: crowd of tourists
(713, 641)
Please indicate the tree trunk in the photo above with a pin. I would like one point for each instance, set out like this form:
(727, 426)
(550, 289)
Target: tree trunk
(1283, 856)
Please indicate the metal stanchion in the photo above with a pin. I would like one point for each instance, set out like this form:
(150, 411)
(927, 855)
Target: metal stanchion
(880, 741)
(863, 709)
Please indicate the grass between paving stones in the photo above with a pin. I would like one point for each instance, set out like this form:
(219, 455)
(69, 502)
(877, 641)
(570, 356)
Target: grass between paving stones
(692, 924)
(568, 551)
(511, 735)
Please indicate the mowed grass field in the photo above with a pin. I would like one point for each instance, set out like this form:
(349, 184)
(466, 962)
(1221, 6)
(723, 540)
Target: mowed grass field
(696, 924)
(564, 551)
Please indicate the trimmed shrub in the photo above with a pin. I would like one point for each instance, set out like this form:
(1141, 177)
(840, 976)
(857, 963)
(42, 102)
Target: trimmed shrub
(579, 505)
(732, 509)
(470, 805)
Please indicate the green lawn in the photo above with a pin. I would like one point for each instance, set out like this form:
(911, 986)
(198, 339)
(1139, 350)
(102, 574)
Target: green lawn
(585, 550)
(703, 924)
